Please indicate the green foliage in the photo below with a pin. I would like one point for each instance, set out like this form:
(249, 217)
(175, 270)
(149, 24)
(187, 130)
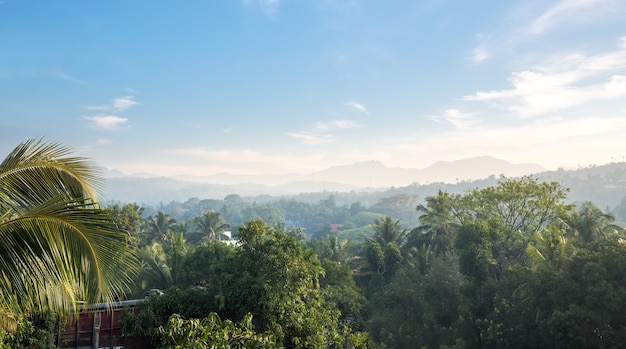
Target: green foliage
(375, 256)
(475, 241)
(212, 332)
(204, 265)
(336, 274)
(156, 228)
(128, 218)
(510, 266)
(589, 224)
(30, 332)
(416, 310)
(273, 278)
(58, 247)
(439, 220)
(399, 205)
(332, 248)
(364, 218)
(211, 226)
(155, 272)
(593, 315)
(387, 231)
(150, 314)
(550, 249)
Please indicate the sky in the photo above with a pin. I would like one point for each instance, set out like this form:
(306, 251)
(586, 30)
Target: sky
(297, 86)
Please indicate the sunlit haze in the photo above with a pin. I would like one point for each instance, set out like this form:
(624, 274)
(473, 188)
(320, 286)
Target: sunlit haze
(285, 86)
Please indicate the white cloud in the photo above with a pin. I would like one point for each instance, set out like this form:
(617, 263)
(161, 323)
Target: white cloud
(456, 118)
(320, 132)
(119, 104)
(529, 21)
(560, 82)
(358, 106)
(124, 103)
(311, 138)
(107, 122)
(571, 11)
(479, 55)
(336, 124)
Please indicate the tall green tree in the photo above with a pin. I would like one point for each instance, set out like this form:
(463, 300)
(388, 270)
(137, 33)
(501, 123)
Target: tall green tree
(589, 223)
(155, 269)
(211, 225)
(387, 231)
(175, 248)
(550, 249)
(58, 247)
(440, 219)
(157, 227)
(276, 279)
(128, 218)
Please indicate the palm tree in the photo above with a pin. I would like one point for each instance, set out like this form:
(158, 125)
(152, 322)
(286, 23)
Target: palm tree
(155, 270)
(175, 248)
(157, 227)
(212, 225)
(386, 231)
(439, 220)
(549, 249)
(58, 247)
(589, 223)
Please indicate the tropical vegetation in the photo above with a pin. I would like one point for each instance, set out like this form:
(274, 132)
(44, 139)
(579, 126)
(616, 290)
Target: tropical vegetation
(490, 268)
(512, 265)
(58, 247)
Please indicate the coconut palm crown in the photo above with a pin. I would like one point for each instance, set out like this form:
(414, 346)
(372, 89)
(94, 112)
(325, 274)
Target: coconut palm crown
(58, 247)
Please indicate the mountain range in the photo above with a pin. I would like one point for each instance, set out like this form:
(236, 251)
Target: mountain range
(362, 176)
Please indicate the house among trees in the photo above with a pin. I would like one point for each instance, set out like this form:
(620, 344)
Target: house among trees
(97, 327)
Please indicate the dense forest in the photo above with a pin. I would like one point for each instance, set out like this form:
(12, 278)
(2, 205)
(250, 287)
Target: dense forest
(512, 265)
(603, 185)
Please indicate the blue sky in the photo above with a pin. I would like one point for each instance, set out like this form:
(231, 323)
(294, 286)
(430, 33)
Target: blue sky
(295, 86)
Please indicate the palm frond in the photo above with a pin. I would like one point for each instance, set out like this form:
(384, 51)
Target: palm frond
(57, 246)
(36, 171)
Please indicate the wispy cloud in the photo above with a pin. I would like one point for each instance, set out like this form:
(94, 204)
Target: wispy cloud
(107, 122)
(269, 7)
(312, 138)
(479, 55)
(560, 82)
(572, 11)
(533, 19)
(456, 118)
(103, 141)
(336, 125)
(358, 106)
(124, 103)
(119, 104)
(320, 132)
(106, 118)
(61, 75)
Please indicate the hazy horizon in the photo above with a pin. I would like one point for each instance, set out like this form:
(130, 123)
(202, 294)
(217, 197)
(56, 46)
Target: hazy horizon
(282, 87)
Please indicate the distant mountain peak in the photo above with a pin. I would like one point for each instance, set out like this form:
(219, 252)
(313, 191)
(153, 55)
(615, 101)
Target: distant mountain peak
(364, 174)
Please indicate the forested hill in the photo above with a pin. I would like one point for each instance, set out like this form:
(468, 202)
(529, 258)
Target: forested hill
(604, 185)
